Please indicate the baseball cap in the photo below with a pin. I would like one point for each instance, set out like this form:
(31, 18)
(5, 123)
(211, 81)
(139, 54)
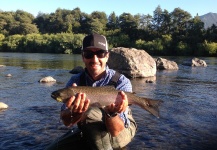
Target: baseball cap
(95, 41)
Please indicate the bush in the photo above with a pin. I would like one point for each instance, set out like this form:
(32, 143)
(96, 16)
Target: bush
(152, 47)
(140, 44)
(210, 48)
(182, 49)
(1, 39)
(11, 43)
(43, 43)
(119, 40)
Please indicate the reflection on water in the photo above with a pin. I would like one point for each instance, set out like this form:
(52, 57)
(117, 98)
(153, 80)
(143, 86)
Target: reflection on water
(38, 60)
(188, 114)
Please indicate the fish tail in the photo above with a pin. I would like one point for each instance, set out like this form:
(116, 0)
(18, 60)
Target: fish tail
(152, 106)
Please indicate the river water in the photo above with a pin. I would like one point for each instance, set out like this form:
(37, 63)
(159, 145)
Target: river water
(188, 114)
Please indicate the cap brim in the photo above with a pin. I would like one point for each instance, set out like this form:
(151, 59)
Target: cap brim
(95, 47)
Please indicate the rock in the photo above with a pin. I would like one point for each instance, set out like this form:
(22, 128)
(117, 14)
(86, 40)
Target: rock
(132, 62)
(77, 70)
(195, 62)
(164, 64)
(3, 105)
(47, 79)
(8, 75)
(2, 66)
(150, 79)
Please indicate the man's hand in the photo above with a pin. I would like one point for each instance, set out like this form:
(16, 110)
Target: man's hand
(76, 105)
(119, 106)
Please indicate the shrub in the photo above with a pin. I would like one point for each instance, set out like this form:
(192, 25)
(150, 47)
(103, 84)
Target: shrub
(210, 48)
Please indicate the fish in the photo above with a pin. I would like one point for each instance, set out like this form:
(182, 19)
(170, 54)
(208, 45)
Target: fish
(106, 95)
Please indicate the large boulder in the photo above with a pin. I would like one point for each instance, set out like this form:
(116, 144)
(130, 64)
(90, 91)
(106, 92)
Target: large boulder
(132, 62)
(164, 64)
(195, 62)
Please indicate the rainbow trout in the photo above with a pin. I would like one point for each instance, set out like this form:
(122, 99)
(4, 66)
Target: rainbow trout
(106, 95)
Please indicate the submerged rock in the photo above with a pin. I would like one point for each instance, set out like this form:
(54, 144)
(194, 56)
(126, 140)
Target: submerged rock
(3, 105)
(2, 66)
(195, 62)
(8, 75)
(164, 64)
(47, 79)
(150, 79)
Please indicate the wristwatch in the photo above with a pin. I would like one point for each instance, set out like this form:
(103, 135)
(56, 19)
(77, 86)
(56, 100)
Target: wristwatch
(110, 115)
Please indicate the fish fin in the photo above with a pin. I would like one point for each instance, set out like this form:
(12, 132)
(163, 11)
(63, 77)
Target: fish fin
(108, 86)
(152, 106)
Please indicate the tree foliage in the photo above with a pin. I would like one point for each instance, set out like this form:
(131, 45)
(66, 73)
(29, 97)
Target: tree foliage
(164, 33)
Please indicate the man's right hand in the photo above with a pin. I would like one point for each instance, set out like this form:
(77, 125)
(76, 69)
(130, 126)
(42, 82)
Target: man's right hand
(76, 105)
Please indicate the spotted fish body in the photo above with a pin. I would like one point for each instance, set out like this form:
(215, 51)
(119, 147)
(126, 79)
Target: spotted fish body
(106, 95)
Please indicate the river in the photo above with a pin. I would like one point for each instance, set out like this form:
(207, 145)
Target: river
(188, 114)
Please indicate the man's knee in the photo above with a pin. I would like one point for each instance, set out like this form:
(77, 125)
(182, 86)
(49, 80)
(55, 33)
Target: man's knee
(94, 114)
(124, 138)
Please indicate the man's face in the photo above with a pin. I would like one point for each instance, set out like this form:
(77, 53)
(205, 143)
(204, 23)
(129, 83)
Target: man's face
(95, 61)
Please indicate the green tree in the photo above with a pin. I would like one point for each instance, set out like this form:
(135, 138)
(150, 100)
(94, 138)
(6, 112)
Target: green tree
(129, 25)
(23, 17)
(42, 22)
(145, 22)
(211, 34)
(77, 17)
(195, 34)
(6, 20)
(112, 23)
(19, 22)
(157, 21)
(144, 30)
(180, 20)
(166, 23)
(98, 22)
(85, 24)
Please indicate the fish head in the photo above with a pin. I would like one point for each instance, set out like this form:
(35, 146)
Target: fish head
(57, 96)
(61, 95)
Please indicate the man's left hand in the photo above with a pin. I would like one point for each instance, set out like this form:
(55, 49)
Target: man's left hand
(119, 106)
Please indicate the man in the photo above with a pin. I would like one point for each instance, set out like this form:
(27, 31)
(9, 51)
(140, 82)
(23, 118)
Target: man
(111, 127)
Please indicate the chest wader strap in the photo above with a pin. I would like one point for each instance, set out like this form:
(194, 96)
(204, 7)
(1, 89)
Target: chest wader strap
(82, 79)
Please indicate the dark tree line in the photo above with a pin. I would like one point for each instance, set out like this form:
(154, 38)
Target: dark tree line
(164, 33)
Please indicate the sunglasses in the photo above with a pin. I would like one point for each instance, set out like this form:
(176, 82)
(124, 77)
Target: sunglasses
(88, 54)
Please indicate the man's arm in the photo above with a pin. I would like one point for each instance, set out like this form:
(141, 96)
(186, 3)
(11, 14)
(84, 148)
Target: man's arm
(113, 121)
